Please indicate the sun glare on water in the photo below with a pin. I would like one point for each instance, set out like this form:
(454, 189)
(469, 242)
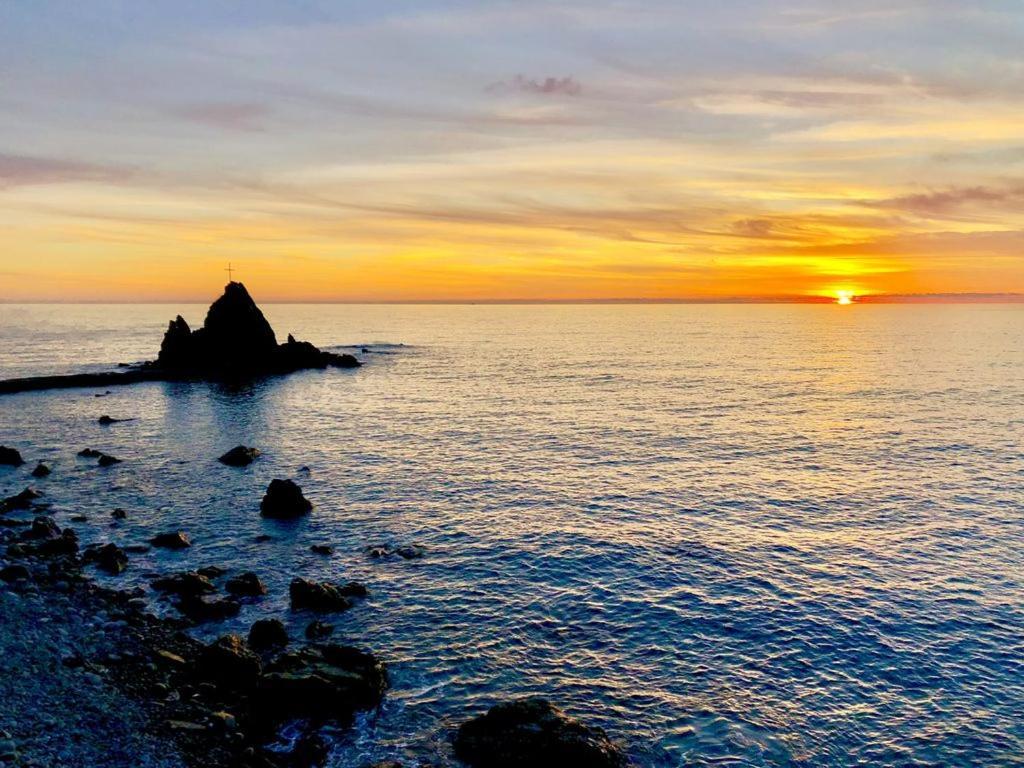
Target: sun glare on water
(844, 298)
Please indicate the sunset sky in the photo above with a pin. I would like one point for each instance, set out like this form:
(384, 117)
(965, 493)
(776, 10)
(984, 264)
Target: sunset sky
(521, 150)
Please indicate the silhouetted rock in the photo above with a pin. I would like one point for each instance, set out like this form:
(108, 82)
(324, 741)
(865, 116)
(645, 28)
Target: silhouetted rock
(108, 557)
(536, 733)
(236, 341)
(245, 585)
(10, 457)
(284, 500)
(172, 540)
(211, 571)
(227, 662)
(201, 609)
(323, 597)
(89, 453)
(118, 514)
(322, 549)
(317, 630)
(185, 584)
(41, 470)
(22, 500)
(42, 528)
(108, 461)
(239, 456)
(106, 421)
(12, 573)
(410, 552)
(266, 634)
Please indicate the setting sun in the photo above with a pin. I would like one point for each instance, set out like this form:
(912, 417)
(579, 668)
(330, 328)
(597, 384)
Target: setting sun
(844, 298)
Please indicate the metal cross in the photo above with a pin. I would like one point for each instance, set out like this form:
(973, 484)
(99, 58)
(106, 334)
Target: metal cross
(229, 271)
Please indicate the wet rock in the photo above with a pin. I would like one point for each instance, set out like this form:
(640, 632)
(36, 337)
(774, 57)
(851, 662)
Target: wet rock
(119, 514)
(533, 732)
(263, 538)
(317, 630)
(284, 500)
(43, 528)
(239, 456)
(65, 544)
(266, 634)
(246, 585)
(188, 584)
(108, 420)
(229, 663)
(13, 573)
(41, 470)
(378, 551)
(10, 457)
(201, 609)
(22, 500)
(108, 461)
(78, 519)
(172, 540)
(108, 557)
(89, 453)
(410, 552)
(328, 682)
(211, 571)
(224, 721)
(323, 597)
(322, 549)
(137, 549)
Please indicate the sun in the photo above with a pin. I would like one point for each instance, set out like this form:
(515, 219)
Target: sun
(844, 298)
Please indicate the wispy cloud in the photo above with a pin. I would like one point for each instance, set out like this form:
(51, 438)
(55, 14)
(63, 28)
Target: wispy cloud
(558, 86)
(233, 116)
(23, 170)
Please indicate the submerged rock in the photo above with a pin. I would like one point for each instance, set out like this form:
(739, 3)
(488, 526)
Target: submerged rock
(410, 552)
(246, 585)
(41, 470)
(323, 597)
(89, 453)
(328, 682)
(536, 733)
(239, 456)
(118, 514)
(172, 540)
(317, 630)
(10, 457)
(284, 500)
(266, 634)
(188, 584)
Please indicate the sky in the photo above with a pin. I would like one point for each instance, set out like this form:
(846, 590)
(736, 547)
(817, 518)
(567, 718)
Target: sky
(449, 150)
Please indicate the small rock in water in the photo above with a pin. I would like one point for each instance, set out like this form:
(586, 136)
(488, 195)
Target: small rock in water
(42, 528)
(13, 573)
(534, 732)
(172, 540)
(267, 633)
(378, 551)
(262, 538)
(41, 470)
(137, 549)
(10, 457)
(211, 571)
(200, 609)
(323, 597)
(78, 519)
(108, 557)
(119, 514)
(410, 552)
(317, 630)
(239, 456)
(184, 584)
(284, 500)
(89, 453)
(246, 585)
(322, 549)
(107, 420)
(229, 663)
(108, 461)
(22, 500)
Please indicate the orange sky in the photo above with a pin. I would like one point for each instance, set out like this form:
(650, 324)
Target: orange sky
(446, 151)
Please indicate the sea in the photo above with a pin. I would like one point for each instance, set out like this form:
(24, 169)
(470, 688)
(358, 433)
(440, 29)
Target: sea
(729, 535)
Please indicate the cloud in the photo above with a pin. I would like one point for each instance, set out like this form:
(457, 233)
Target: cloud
(234, 116)
(951, 201)
(560, 86)
(25, 170)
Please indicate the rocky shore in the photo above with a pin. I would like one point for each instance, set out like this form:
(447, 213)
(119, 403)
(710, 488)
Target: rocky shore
(90, 677)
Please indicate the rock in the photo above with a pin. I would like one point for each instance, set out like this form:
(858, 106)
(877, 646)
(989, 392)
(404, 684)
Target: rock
(239, 456)
(108, 461)
(311, 750)
(172, 540)
(229, 663)
(13, 573)
(108, 557)
(410, 552)
(328, 682)
(119, 514)
(317, 630)
(266, 634)
(169, 657)
(78, 519)
(378, 551)
(533, 732)
(108, 420)
(263, 538)
(41, 470)
(200, 609)
(211, 571)
(65, 544)
(246, 585)
(89, 453)
(323, 597)
(322, 549)
(284, 500)
(184, 584)
(224, 721)
(10, 457)
(137, 549)
(22, 500)
(42, 528)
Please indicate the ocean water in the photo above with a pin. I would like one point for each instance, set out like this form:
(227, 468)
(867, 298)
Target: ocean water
(729, 535)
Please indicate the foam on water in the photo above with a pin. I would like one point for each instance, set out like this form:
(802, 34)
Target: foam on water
(757, 535)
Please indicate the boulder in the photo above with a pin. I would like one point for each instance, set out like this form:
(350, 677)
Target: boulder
(43, 529)
(108, 420)
(327, 682)
(89, 453)
(211, 571)
(41, 470)
(410, 552)
(228, 663)
(284, 500)
(323, 597)
(12, 573)
(239, 456)
(108, 557)
(118, 514)
(187, 584)
(322, 549)
(10, 457)
(172, 540)
(200, 609)
(108, 461)
(266, 634)
(246, 585)
(22, 500)
(65, 544)
(534, 732)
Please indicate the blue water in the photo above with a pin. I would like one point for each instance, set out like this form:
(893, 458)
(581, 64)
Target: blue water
(730, 535)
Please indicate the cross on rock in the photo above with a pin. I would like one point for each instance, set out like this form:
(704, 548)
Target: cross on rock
(229, 270)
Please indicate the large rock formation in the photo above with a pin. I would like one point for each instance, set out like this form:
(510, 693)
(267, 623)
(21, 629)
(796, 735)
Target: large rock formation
(235, 342)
